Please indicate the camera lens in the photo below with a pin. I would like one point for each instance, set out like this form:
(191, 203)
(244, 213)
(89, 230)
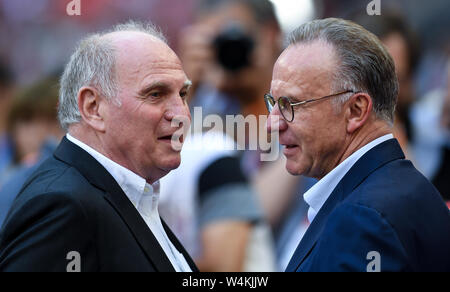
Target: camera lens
(233, 47)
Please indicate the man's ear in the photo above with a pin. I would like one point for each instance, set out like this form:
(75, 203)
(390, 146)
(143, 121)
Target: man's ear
(90, 105)
(358, 110)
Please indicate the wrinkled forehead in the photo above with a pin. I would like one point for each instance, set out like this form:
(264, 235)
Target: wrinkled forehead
(138, 54)
(135, 47)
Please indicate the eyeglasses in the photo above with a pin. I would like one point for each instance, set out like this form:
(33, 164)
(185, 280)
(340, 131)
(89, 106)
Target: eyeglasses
(287, 107)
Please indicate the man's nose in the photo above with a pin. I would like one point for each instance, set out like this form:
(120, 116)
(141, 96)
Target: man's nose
(275, 121)
(177, 108)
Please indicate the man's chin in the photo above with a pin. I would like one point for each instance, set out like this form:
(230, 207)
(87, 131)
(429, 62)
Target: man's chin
(297, 168)
(165, 167)
(293, 168)
(172, 163)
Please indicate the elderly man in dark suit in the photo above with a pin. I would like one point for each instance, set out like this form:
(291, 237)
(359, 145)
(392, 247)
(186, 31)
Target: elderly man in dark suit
(93, 205)
(333, 93)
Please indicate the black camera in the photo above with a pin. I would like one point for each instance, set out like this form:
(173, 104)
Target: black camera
(233, 47)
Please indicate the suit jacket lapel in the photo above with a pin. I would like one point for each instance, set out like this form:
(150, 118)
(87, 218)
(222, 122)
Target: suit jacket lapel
(368, 163)
(179, 247)
(97, 175)
(140, 230)
(314, 230)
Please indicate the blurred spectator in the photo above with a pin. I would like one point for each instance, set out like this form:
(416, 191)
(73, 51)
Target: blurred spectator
(35, 132)
(432, 142)
(446, 107)
(33, 119)
(231, 49)
(282, 196)
(401, 42)
(6, 93)
(441, 179)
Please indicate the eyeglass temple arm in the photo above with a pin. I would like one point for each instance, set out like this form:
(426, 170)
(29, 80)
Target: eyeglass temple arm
(328, 96)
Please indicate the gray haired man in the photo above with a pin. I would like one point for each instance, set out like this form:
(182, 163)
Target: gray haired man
(93, 206)
(334, 91)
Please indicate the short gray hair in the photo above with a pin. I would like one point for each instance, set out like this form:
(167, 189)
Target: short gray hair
(93, 64)
(363, 62)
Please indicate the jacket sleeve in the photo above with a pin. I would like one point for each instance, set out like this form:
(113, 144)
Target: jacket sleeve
(47, 233)
(357, 239)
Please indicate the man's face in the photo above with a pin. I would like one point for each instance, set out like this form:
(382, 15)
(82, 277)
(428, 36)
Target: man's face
(151, 88)
(313, 141)
(29, 136)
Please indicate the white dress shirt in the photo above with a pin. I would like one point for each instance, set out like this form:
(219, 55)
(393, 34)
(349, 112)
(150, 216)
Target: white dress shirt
(145, 198)
(319, 193)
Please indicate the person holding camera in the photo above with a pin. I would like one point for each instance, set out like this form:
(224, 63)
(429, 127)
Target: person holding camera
(229, 53)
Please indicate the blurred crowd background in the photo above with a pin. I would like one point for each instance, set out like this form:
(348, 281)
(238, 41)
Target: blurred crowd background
(231, 211)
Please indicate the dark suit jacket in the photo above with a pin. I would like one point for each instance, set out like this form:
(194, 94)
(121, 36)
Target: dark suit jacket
(383, 204)
(71, 203)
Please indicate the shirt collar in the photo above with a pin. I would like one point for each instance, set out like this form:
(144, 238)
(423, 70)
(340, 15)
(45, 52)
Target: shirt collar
(135, 187)
(319, 193)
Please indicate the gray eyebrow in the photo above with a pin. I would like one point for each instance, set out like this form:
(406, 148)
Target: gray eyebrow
(187, 84)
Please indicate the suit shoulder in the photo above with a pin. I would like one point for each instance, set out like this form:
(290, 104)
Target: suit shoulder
(55, 181)
(396, 186)
(55, 190)
(351, 233)
(413, 207)
(40, 230)
(55, 176)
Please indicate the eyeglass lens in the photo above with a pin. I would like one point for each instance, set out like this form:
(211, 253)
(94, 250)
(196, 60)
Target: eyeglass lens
(285, 108)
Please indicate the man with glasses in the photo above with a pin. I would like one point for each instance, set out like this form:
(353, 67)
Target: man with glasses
(333, 96)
